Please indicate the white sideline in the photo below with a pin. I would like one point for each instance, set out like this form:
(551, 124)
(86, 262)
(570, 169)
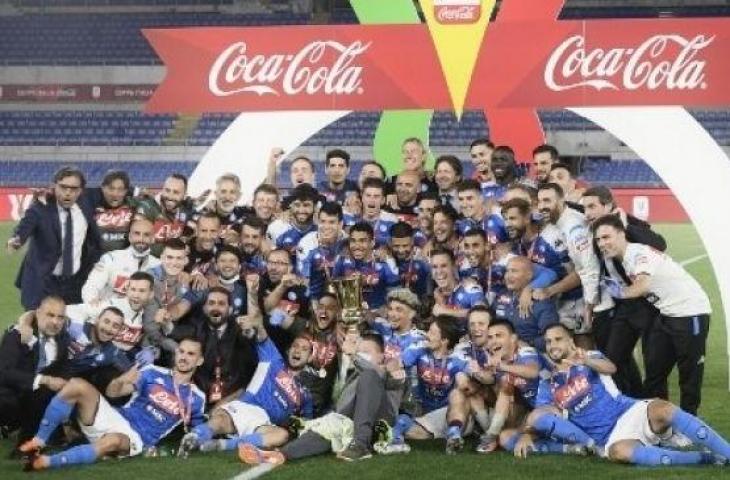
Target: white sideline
(692, 260)
(254, 472)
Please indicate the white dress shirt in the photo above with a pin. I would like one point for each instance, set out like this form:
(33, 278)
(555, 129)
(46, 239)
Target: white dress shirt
(79, 235)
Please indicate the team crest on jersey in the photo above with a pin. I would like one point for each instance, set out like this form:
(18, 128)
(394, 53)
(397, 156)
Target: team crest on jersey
(575, 388)
(288, 384)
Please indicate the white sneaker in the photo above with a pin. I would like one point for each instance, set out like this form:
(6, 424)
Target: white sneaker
(383, 448)
(677, 440)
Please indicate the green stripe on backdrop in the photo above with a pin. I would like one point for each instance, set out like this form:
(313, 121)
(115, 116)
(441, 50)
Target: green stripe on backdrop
(395, 125)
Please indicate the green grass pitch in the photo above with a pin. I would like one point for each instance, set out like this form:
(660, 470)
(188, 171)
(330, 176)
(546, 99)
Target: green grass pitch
(427, 459)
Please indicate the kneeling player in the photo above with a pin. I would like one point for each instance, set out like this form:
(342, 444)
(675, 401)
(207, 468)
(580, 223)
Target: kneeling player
(274, 394)
(438, 372)
(628, 429)
(164, 399)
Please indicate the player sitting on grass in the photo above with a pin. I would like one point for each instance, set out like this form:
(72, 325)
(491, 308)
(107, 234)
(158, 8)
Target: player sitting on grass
(629, 430)
(274, 394)
(438, 371)
(163, 400)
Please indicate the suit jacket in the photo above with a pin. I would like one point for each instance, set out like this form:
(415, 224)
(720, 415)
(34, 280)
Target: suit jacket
(41, 225)
(236, 354)
(18, 362)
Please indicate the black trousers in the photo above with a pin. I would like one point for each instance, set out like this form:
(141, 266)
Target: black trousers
(68, 288)
(679, 341)
(25, 411)
(616, 332)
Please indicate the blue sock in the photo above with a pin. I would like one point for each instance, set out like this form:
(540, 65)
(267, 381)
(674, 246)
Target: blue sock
(543, 445)
(81, 454)
(511, 442)
(550, 425)
(402, 424)
(204, 432)
(254, 439)
(643, 455)
(57, 412)
(699, 432)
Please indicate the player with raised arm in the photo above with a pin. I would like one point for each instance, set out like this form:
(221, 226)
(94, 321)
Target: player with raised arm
(162, 399)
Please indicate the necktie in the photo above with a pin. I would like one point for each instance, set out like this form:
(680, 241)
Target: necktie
(68, 245)
(42, 359)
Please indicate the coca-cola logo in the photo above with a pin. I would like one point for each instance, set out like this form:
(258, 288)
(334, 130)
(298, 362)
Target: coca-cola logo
(457, 14)
(237, 71)
(164, 400)
(663, 61)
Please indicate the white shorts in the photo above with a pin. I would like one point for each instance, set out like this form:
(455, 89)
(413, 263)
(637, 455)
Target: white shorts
(246, 417)
(571, 315)
(634, 425)
(436, 423)
(109, 420)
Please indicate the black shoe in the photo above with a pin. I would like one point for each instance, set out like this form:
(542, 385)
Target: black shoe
(294, 426)
(354, 452)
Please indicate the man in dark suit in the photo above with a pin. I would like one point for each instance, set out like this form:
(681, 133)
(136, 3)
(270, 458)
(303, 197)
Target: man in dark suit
(229, 358)
(64, 243)
(25, 354)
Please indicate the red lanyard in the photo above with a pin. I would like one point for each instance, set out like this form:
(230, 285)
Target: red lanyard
(185, 410)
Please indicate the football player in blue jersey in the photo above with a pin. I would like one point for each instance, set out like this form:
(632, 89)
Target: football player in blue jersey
(253, 260)
(628, 430)
(398, 328)
(373, 198)
(162, 400)
(378, 275)
(541, 314)
(317, 251)
(414, 272)
(438, 371)
(337, 187)
(568, 237)
(476, 215)
(475, 398)
(452, 297)
(274, 394)
(286, 233)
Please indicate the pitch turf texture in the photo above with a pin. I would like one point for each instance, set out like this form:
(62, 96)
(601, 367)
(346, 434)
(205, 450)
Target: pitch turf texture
(427, 459)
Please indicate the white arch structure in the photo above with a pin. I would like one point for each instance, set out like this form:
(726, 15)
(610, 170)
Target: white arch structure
(669, 139)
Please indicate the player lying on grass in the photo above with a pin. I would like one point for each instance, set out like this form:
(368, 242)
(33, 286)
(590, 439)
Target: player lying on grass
(162, 400)
(274, 394)
(629, 430)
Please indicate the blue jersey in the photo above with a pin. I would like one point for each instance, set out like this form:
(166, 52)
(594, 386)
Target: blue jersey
(529, 329)
(436, 377)
(420, 239)
(550, 250)
(525, 387)
(85, 355)
(465, 296)
(378, 277)
(316, 261)
(252, 264)
(286, 236)
(592, 401)
(468, 351)
(415, 274)
(396, 343)
(492, 191)
(338, 196)
(157, 407)
(542, 277)
(381, 228)
(492, 224)
(478, 273)
(275, 389)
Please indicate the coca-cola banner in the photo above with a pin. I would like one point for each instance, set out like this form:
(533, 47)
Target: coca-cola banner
(76, 93)
(555, 63)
